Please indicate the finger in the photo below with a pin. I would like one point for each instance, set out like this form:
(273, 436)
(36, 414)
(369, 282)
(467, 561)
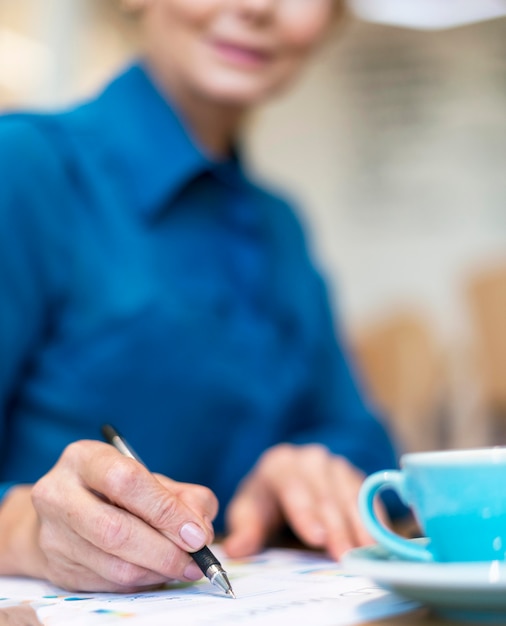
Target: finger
(334, 484)
(252, 516)
(311, 498)
(129, 485)
(298, 478)
(75, 577)
(85, 567)
(126, 548)
(197, 497)
(348, 481)
(302, 514)
(342, 519)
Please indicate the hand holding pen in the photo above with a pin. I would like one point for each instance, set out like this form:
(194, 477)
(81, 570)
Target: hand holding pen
(204, 558)
(103, 522)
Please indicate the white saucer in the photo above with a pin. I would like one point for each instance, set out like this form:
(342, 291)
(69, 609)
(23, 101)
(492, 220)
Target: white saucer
(464, 591)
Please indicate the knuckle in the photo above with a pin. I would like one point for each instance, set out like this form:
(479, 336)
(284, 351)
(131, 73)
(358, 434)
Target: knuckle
(43, 494)
(316, 451)
(340, 463)
(73, 451)
(164, 511)
(280, 454)
(112, 531)
(205, 493)
(39, 492)
(121, 477)
(209, 498)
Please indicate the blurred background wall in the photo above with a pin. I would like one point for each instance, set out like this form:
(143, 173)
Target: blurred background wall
(399, 172)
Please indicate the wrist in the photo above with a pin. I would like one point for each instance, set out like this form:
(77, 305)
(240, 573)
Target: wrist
(20, 554)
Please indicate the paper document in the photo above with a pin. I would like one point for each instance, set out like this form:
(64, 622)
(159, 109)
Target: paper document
(298, 586)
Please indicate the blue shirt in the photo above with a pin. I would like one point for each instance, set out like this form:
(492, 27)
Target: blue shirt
(145, 284)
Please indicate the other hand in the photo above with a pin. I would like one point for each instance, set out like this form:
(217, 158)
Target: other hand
(307, 487)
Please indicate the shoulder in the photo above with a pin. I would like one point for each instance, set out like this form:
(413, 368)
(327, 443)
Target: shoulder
(34, 177)
(38, 142)
(28, 152)
(35, 190)
(20, 131)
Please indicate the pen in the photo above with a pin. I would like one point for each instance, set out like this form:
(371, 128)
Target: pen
(204, 558)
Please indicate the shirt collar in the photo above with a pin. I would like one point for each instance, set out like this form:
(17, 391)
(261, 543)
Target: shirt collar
(153, 151)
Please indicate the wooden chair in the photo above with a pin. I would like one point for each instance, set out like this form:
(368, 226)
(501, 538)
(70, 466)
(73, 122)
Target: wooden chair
(402, 368)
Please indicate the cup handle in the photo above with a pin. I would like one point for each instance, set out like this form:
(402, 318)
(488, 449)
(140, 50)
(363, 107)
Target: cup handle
(391, 479)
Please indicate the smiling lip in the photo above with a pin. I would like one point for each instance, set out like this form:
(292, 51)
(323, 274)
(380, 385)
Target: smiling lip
(241, 55)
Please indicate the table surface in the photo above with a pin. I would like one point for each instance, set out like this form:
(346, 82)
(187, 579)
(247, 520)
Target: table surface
(25, 616)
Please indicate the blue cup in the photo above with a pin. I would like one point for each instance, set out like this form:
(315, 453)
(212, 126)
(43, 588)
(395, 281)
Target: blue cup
(458, 498)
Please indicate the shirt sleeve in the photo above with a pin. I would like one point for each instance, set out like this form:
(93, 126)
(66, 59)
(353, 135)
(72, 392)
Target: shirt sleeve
(334, 410)
(30, 198)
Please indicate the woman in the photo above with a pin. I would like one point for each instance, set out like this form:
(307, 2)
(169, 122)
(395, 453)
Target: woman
(145, 280)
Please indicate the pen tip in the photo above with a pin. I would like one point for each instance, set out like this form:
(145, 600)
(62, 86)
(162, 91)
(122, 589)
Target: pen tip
(220, 579)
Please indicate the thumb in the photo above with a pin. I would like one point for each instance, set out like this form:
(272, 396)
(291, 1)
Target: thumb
(252, 515)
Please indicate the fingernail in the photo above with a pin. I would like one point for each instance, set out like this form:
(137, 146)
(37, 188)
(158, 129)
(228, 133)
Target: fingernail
(192, 572)
(192, 535)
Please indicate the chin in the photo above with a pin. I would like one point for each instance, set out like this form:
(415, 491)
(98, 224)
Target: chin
(246, 92)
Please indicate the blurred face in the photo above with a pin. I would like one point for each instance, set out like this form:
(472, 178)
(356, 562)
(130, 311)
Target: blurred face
(234, 52)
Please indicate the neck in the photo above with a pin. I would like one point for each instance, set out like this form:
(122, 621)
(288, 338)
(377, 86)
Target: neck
(213, 124)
